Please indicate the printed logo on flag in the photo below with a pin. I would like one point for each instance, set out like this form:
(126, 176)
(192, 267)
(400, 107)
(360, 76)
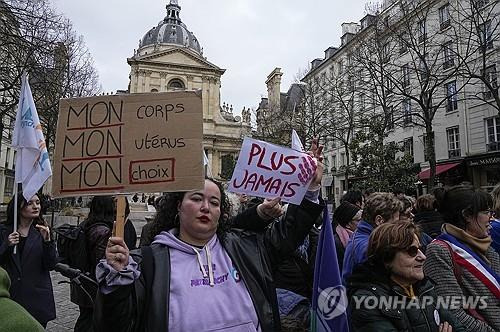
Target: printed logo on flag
(27, 119)
(332, 302)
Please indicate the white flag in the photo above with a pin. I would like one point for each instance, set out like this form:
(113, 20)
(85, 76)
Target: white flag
(32, 160)
(296, 143)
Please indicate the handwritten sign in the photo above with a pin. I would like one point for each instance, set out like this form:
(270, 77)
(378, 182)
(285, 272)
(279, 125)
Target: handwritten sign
(145, 142)
(267, 170)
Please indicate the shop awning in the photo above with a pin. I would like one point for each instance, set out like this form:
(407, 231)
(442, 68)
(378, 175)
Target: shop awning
(426, 173)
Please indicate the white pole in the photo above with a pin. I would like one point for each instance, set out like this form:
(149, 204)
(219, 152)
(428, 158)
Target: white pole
(15, 212)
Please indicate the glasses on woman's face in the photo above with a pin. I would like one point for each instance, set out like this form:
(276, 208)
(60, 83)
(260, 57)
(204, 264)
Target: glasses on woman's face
(490, 213)
(412, 251)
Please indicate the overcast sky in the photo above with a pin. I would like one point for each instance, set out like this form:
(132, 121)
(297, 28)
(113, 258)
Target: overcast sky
(247, 38)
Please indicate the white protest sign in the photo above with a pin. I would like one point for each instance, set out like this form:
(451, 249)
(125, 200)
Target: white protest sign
(267, 170)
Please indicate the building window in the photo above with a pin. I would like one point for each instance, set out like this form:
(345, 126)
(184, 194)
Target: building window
(341, 67)
(481, 3)
(154, 90)
(453, 142)
(407, 112)
(451, 95)
(403, 45)
(408, 146)
(342, 159)
(493, 134)
(422, 68)
(7, 158)
(444, 16)
(421, 31)
(386, 51)
(448, 56)
(490, 75)
(486, 36)
(390, 118)
(406, 75)
(176, 84)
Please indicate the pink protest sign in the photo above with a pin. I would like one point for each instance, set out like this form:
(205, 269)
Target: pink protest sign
(267, 170)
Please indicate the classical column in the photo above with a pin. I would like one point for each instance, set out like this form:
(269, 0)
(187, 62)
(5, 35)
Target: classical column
(163, 82)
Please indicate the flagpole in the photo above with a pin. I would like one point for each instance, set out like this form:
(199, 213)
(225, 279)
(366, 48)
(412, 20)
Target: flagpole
(15, 212)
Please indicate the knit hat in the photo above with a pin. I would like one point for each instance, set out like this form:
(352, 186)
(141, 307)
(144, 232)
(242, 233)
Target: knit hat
(344, 213)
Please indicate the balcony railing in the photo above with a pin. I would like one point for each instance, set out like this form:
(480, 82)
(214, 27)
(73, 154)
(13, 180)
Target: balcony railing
(454, 153)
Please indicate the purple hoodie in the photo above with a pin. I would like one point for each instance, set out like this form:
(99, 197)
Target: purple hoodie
(206, 291)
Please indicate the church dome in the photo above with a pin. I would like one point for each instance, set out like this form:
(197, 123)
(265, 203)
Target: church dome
(171, 30)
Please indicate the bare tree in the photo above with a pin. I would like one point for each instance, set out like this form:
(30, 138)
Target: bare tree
(37, 40)
(478, 30)
(422, 77)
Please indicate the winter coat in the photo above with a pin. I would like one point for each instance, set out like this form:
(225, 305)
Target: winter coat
(430, 222)
(254, 255)
(355, 251)
(440, 267)
(369, 282)
(29, 273)
(14, 317)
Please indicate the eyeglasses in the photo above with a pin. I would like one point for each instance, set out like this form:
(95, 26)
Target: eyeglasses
(412, 251)
(491, 213)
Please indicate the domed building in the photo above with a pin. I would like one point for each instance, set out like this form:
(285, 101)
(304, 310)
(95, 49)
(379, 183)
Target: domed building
(170, 58)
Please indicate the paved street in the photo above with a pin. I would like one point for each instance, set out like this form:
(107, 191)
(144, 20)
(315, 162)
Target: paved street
(66, 312)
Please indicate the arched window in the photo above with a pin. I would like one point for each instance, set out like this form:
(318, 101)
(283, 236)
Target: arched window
(154, 90)
(176, 84)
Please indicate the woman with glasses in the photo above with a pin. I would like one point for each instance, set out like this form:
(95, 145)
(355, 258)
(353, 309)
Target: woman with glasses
(462, 262)
(389, 292)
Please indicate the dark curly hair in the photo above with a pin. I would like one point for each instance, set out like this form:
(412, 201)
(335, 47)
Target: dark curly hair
(165, 219)
(21, 203)
(102, 209)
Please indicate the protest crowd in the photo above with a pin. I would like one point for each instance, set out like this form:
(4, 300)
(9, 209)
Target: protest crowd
(220, 259)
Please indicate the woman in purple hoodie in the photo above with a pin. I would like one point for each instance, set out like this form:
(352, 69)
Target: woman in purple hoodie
(200, 274)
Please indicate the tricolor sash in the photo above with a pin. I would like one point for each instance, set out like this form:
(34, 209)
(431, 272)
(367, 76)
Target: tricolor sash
(468, 259)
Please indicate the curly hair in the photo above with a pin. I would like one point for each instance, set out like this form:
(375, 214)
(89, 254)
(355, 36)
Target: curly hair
(166, 218)
(383, 204)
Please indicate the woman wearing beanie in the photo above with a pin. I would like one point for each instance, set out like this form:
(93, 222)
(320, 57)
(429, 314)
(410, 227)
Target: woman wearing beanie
(346, 217)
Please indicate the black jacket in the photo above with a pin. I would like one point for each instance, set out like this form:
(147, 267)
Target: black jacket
(367, 281)
(254, 254)
(430, 222)
(31, 284)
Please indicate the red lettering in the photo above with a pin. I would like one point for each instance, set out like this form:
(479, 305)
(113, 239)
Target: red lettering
(242, 182)
(293, 168)
(254, 151)
(291, 191)
(273, 164)
(260, 164)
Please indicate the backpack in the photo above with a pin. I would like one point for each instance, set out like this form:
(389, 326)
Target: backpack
(72, 245)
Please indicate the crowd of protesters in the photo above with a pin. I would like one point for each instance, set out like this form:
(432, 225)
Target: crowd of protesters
(212, 260)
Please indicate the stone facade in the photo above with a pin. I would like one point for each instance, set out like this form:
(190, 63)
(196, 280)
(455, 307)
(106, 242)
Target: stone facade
(162, 64)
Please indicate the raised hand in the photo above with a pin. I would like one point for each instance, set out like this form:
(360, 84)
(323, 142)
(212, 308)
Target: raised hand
(44, 231)
(316, 153)
(270, 208)
(117, 253)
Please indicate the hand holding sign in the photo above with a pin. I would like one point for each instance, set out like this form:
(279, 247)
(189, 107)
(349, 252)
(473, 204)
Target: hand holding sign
(270, 209)
(316, 153)
(267, 170)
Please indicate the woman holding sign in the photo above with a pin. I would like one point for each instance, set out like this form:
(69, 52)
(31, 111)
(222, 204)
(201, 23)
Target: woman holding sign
(199, 274)
(36, 255)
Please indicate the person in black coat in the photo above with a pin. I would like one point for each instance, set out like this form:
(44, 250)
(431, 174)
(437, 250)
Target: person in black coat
(389, 292)
(36, 255)
(427, 216)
